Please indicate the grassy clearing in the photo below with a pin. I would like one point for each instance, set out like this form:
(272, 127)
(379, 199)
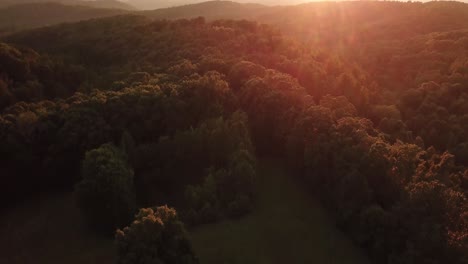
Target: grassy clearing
(288, 226)
(51, 231)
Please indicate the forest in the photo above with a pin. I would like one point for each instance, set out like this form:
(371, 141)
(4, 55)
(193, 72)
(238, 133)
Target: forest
(161, 124)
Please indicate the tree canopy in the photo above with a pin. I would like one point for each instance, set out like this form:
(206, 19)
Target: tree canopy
(369, 110)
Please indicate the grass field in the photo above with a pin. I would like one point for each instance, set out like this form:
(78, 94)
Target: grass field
(287, 226)
(50, 231)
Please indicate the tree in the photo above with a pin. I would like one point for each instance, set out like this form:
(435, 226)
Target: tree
(228, 192)
(155, 237)
(106, 193)
(242, 72)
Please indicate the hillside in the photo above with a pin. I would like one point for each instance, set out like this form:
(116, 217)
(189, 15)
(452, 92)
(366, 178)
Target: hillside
(379, 37)
(334, 20)
(19, 17)
(29, 76)
(230, 126)
(151, 5)
(210, 10)
(328, 23)
(111, 4)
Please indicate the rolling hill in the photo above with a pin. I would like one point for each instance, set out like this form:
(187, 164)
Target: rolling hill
(239, 121)
(26, 16)
(329, 23)
(150, 4)
(210, 10)
(112, 4)
(332, 18)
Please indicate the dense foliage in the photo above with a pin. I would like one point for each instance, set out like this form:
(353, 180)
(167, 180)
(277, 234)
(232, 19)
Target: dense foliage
(106, 193)
(155, 236)
(164, 149)
(27, 76)
(375, 128)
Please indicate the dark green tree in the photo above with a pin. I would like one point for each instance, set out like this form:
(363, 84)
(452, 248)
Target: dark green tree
(106, 193)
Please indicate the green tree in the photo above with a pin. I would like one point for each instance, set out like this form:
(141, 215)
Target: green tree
(155, 237)
(106, 193)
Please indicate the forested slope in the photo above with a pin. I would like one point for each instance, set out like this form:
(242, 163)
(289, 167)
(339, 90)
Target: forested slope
(176, 112)
(19, 17)
(29, 76)
(210, 10)
(325, 23)
(111, 4)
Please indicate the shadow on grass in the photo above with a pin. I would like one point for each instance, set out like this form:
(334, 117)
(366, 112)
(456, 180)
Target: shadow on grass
(287, 226)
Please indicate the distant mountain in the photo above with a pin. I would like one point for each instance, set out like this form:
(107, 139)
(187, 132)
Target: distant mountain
(112, 4)
(26, 16)
(330, 21)
(210, 10)
(337, 25)
(156, 4)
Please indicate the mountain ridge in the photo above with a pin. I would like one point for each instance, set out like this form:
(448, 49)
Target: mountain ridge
(33, 15)
(110, 4)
